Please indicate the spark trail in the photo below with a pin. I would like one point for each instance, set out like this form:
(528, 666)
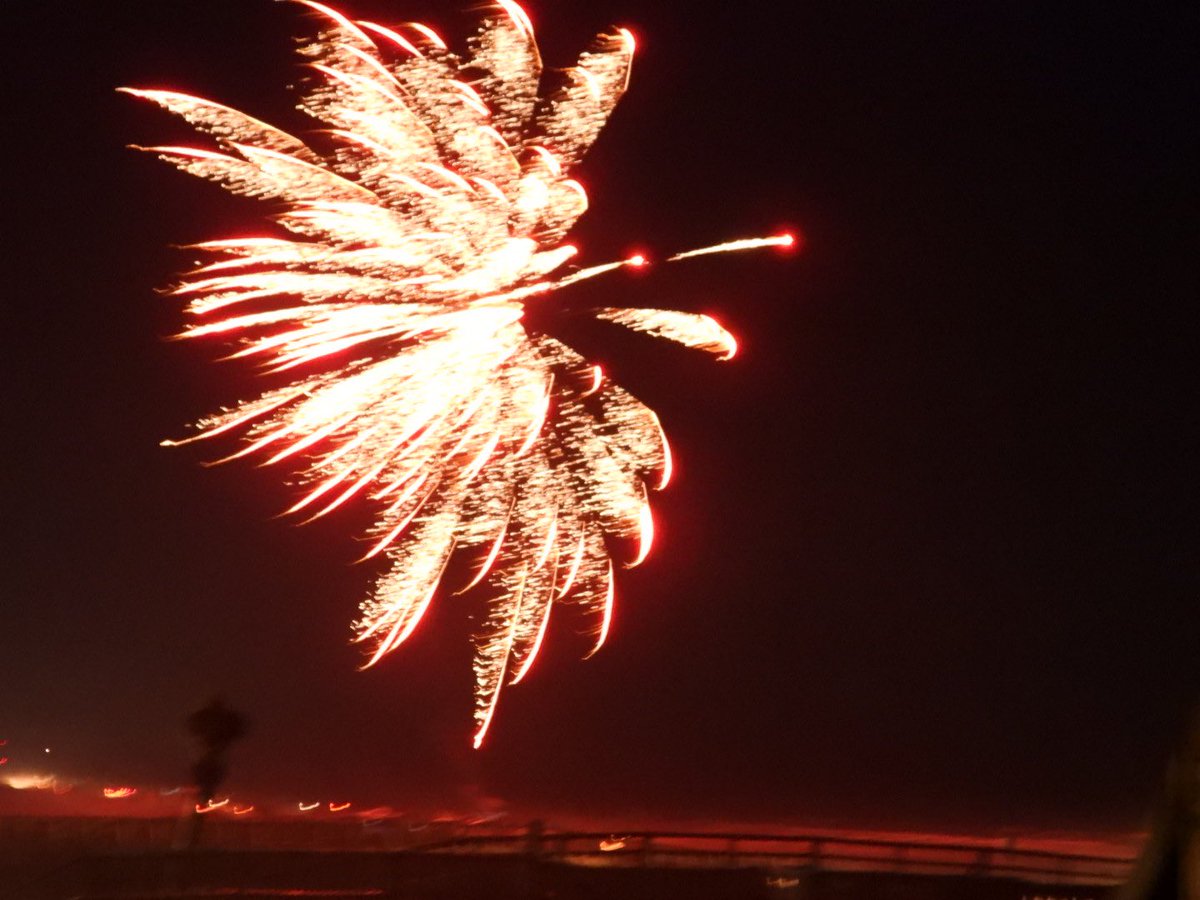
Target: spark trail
(434, 201)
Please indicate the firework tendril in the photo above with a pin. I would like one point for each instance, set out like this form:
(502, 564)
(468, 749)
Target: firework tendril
(436, 207)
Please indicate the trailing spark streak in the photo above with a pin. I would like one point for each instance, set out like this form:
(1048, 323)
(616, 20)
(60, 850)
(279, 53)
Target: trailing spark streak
(779, 240)
(433, 206)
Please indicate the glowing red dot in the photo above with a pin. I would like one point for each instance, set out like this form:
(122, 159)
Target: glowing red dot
(788, 242)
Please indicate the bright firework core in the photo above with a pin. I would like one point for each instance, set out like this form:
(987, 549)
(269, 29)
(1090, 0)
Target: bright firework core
(439, 205)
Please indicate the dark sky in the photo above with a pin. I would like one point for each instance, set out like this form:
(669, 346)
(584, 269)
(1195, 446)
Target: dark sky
(928, 559)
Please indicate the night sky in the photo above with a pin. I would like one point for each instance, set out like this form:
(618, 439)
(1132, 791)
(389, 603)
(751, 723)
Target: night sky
(928, 558)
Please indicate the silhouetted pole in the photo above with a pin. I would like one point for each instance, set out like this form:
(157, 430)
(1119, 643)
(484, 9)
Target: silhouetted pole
(214, 727)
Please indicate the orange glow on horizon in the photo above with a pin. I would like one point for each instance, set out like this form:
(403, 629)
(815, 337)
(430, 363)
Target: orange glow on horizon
(24, 781)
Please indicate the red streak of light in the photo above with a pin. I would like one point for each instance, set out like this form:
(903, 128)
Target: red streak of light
(519, 15)
(668, 461)
(119, 793)
(429, 33)
(391, 535)
(336, 16)
(597, 380)
(477, 741)
(646, 538)
(409, 624)
(491, 557)
(537, 645)
(609, 596)
(338, 807)
(393, 37)
(574, 569)
(481, 733)
(548, 545)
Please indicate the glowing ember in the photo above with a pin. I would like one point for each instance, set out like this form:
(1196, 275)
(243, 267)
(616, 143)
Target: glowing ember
(433, 209)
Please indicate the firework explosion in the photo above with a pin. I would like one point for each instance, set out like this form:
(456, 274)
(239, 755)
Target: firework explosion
(438, 208)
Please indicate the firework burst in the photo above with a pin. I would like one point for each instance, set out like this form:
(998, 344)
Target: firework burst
(436, 206)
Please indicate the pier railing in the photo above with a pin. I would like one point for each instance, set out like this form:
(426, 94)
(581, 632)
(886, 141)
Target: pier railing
(825, 852)
(784, 853)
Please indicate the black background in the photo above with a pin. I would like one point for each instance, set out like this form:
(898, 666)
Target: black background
(928, 557)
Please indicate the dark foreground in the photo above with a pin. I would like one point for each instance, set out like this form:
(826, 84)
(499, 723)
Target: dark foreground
(425, 876)
(107, 859)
